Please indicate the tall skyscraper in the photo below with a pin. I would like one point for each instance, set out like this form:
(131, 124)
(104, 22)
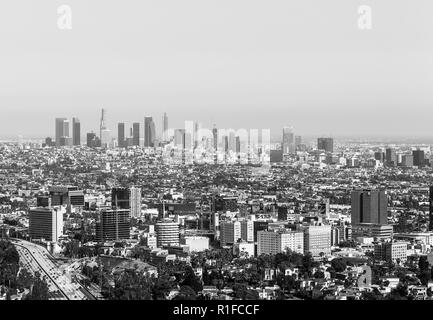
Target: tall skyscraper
(136, 134)
(121, 135)
(76, 132)
(215, 138)
(104, 133)
(232, 142)
(326, 144)
(238, 144)
(179, 138)
(135, 201)
(230, 232)
(45, 223)
(298, 142)
(113, 225)
(62, 125)
(105, 138)
(418, 158)
(197, 134)
(165, 127)
(369, 206)
(152, 133)
(407, 160)
(65, 140)
(225, 143)
(149, 132)
(390, 157)
(317, 241)
(102, 124)
(288, 144)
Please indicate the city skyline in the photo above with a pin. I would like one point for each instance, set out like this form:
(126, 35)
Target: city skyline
(231, 66)
(91, 124)
(223, 153)
(276, 133)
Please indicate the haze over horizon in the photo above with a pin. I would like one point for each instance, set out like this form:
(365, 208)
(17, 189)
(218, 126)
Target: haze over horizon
(236, 64)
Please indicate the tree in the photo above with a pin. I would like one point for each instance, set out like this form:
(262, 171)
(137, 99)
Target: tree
(131, 286)
(264, 261)
(72, 249)
(307, 263)
(25, 279)
(425, 277)
(423, 263)
(9, 264)
(39, 290)
(399, 293)
(287, 283)
(371, 295)
(216, 279)
(192, 280)
(161, 287)
(339, 265)
(242, 292)
(186, 293)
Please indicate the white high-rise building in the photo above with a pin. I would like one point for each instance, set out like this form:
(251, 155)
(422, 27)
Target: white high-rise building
(105, 138)
(317, 240)
(273, 242)
(247, 230)
(167, 233)
(135, 201)
(104, 132)
(288, 144)
(232, 231)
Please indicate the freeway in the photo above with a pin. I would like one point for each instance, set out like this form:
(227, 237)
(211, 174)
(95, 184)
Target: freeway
(29, 263)
(37, 258)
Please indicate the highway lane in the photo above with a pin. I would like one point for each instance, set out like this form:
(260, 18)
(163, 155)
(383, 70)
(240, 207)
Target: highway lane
(71, 290)
(29, 263)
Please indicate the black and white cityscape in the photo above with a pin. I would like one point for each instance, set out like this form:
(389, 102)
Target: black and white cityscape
(213, 214)
(216, 151)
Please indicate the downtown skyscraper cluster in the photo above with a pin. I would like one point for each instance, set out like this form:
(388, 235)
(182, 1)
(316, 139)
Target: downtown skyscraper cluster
(62, 132)
(63, 136)
(135, 134)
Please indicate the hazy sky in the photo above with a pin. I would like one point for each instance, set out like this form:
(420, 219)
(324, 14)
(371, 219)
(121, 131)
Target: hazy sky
(236, 63)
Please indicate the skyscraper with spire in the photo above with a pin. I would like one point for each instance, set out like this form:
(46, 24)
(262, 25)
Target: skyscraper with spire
(104, 132)
(102, 123)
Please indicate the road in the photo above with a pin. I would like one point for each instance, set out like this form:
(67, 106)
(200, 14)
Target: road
(29, 263)
(37, 258)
